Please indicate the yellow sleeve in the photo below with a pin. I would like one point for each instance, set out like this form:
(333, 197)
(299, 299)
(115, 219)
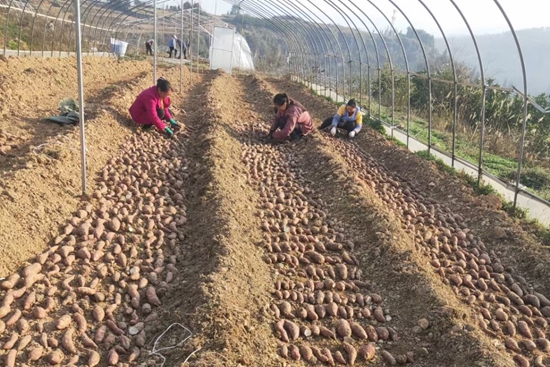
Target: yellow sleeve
(359, 119)
(341, 110)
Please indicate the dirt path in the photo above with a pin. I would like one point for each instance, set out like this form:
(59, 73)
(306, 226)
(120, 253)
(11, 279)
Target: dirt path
(40, 174)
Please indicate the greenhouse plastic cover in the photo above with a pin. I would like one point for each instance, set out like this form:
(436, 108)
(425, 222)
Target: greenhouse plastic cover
(229, 50)
(242, 56)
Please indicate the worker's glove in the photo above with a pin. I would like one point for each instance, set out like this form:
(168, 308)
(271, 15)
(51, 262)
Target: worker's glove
(333, 131)
(169, 133)
(351, 134)
(174, 125)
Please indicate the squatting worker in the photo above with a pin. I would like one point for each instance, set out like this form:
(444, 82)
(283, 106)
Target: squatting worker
(348, 117)
(292, 121)
(149, 47)
(151, 108)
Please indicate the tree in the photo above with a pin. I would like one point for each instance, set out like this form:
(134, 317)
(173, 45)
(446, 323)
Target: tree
(426, 38)
(235, 10)
(187, 5)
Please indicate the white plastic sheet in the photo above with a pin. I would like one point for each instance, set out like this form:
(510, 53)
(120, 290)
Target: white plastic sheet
(221, 52)
(230, 50)
(242, 56)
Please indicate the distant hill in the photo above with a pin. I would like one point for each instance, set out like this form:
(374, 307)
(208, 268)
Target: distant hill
(501, 60)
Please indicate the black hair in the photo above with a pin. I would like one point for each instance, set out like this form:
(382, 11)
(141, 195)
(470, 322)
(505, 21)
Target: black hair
(280, 99)
(164, 85)
(352, 103)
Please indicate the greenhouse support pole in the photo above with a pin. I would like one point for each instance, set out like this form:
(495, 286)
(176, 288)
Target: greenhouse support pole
(80, 92)
(198, 34)
(181, 48)
(156, 43)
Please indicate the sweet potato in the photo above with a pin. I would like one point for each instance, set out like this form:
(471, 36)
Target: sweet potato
(294, 352)
(388, 358)
(367, 352)
(292, 329)
(134, 355)
(332, 309)
(11, 341)
(341, 271)
(14, 317)
(10, 358)
(100, 334)
(358, 330)
(23, 326)
(80, 322)
(31, 269)
(351, 351)
(10, 282)
(141, 338)
(112, 359)
(114, 328)
(523, 328)
(151, 295)
(39, 313)
(93, 358)
(55, 357)
(315, 257)
(339, 358)
(35, 353)
(63, 322)
(67, 341)
(98, 313)
(521, 361)
(343, 328)
(87, 342)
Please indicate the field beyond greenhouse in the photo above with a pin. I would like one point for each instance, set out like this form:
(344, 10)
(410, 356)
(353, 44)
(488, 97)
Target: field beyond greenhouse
(216, 249)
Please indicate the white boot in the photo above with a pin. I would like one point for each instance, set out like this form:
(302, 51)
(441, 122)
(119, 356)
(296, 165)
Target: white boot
(333, 131)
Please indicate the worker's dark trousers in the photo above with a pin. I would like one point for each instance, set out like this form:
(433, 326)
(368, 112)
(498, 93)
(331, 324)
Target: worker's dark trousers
(295, 134)
(160, 113)
(348, 126)
(148, 49)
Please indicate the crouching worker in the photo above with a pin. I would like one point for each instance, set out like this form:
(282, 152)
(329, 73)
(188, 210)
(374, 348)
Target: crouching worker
(291, 122)
(348, 117)
(151, 108)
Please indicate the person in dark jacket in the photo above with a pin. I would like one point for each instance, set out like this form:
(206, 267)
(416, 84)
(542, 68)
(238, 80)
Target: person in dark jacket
(149, 47)
(151, 108)
(291, 122)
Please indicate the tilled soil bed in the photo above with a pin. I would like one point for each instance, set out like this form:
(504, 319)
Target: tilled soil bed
(216, 249)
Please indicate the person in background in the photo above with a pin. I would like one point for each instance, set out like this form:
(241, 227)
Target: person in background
(292, 121)
(151, 108)
(348, 117)
(172, 46)
(185, 48)
(149, 47)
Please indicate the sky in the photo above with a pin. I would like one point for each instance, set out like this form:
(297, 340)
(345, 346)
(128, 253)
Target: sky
(483, 15)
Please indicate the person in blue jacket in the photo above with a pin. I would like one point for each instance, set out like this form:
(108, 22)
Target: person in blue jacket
(348, 118)
(172, 46)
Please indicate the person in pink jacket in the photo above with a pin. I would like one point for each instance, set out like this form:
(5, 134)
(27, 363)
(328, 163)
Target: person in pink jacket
(292, 121)
(151, 108)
